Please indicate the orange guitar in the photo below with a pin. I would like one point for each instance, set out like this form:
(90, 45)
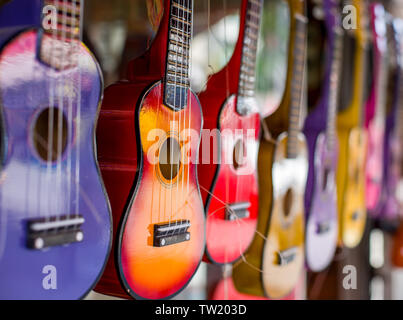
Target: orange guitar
(148, 137)
(273, 263)
(351, 134)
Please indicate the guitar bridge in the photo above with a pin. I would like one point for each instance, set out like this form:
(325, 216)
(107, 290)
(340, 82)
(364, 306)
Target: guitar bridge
(237, 210)
(323, 227)
(285, 257)
(54, 231)
(174, 232)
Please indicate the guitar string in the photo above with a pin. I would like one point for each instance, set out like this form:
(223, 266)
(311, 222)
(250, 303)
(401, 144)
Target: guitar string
(78, 116)
(51, 109)
(61, 83)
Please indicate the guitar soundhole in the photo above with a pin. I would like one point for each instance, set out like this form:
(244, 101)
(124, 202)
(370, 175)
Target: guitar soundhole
(238, 156)
(169, 158)
(287, 205)
(50, 134)
(325, 179)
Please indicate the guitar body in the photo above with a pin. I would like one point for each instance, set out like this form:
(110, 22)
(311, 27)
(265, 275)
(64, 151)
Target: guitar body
(226, 183)
(283, 253)
(322, 226)
(353, 209)
(30, 189)
(228, 239)
(374, 164)
(159, 222)
(390, 206)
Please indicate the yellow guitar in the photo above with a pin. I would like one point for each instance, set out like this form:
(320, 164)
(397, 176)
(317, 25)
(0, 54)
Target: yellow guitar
(273, 263)
(352, 135)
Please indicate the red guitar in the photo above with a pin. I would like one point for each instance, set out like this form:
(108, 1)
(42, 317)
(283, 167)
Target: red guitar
(229, 186)
(148, 129)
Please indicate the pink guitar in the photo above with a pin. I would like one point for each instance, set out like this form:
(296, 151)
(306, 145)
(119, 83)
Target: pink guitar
(375, 111)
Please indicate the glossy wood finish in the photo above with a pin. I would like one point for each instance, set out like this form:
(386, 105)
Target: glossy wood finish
(259, 272)
(140, 197)
(222, 183)
(153, 272)
(352, 147)
(31, 188)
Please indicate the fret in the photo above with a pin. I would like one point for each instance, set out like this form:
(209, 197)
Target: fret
(181, 32)
(176, 44)
(251, 24)
(59, 43)
(334, 86)
(176, 79)
(247, 75)
(180, 7)
(68, 7)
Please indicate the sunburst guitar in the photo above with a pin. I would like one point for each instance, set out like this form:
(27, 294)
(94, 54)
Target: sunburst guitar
(148, 137)
(273, 263)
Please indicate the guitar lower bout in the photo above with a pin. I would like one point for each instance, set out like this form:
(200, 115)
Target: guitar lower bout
(283, 253)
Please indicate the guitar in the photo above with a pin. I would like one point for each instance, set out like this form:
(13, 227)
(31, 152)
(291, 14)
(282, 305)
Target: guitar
(273, 263)
(229, 188)
(375, 110)
(148, 137)
(55, 218)
(320, 131)
(389, 207)
(352, 136)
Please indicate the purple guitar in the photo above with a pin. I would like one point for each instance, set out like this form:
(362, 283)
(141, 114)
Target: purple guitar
(320, 131)
(55, 223)
(389, 207)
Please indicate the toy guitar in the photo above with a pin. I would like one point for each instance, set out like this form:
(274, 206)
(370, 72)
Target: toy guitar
(273, 263)
(320, 131)
(55, 223)
(352, 136)
(375, 111)
(389, 207)
(148, 137)
(232, 201)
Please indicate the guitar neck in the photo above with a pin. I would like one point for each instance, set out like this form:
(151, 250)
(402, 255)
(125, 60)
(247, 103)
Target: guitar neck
(247, 74)
(176, 80)
(381, 60)
(61, 22)
(298, 66)
(335, 47)
(68, 22)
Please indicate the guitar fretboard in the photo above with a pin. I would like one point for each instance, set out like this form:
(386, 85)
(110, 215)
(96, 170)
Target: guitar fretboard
(247, 75)
(68, 18)
(61, 23)
(297, 84)
(335, 71)
(177, 64)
